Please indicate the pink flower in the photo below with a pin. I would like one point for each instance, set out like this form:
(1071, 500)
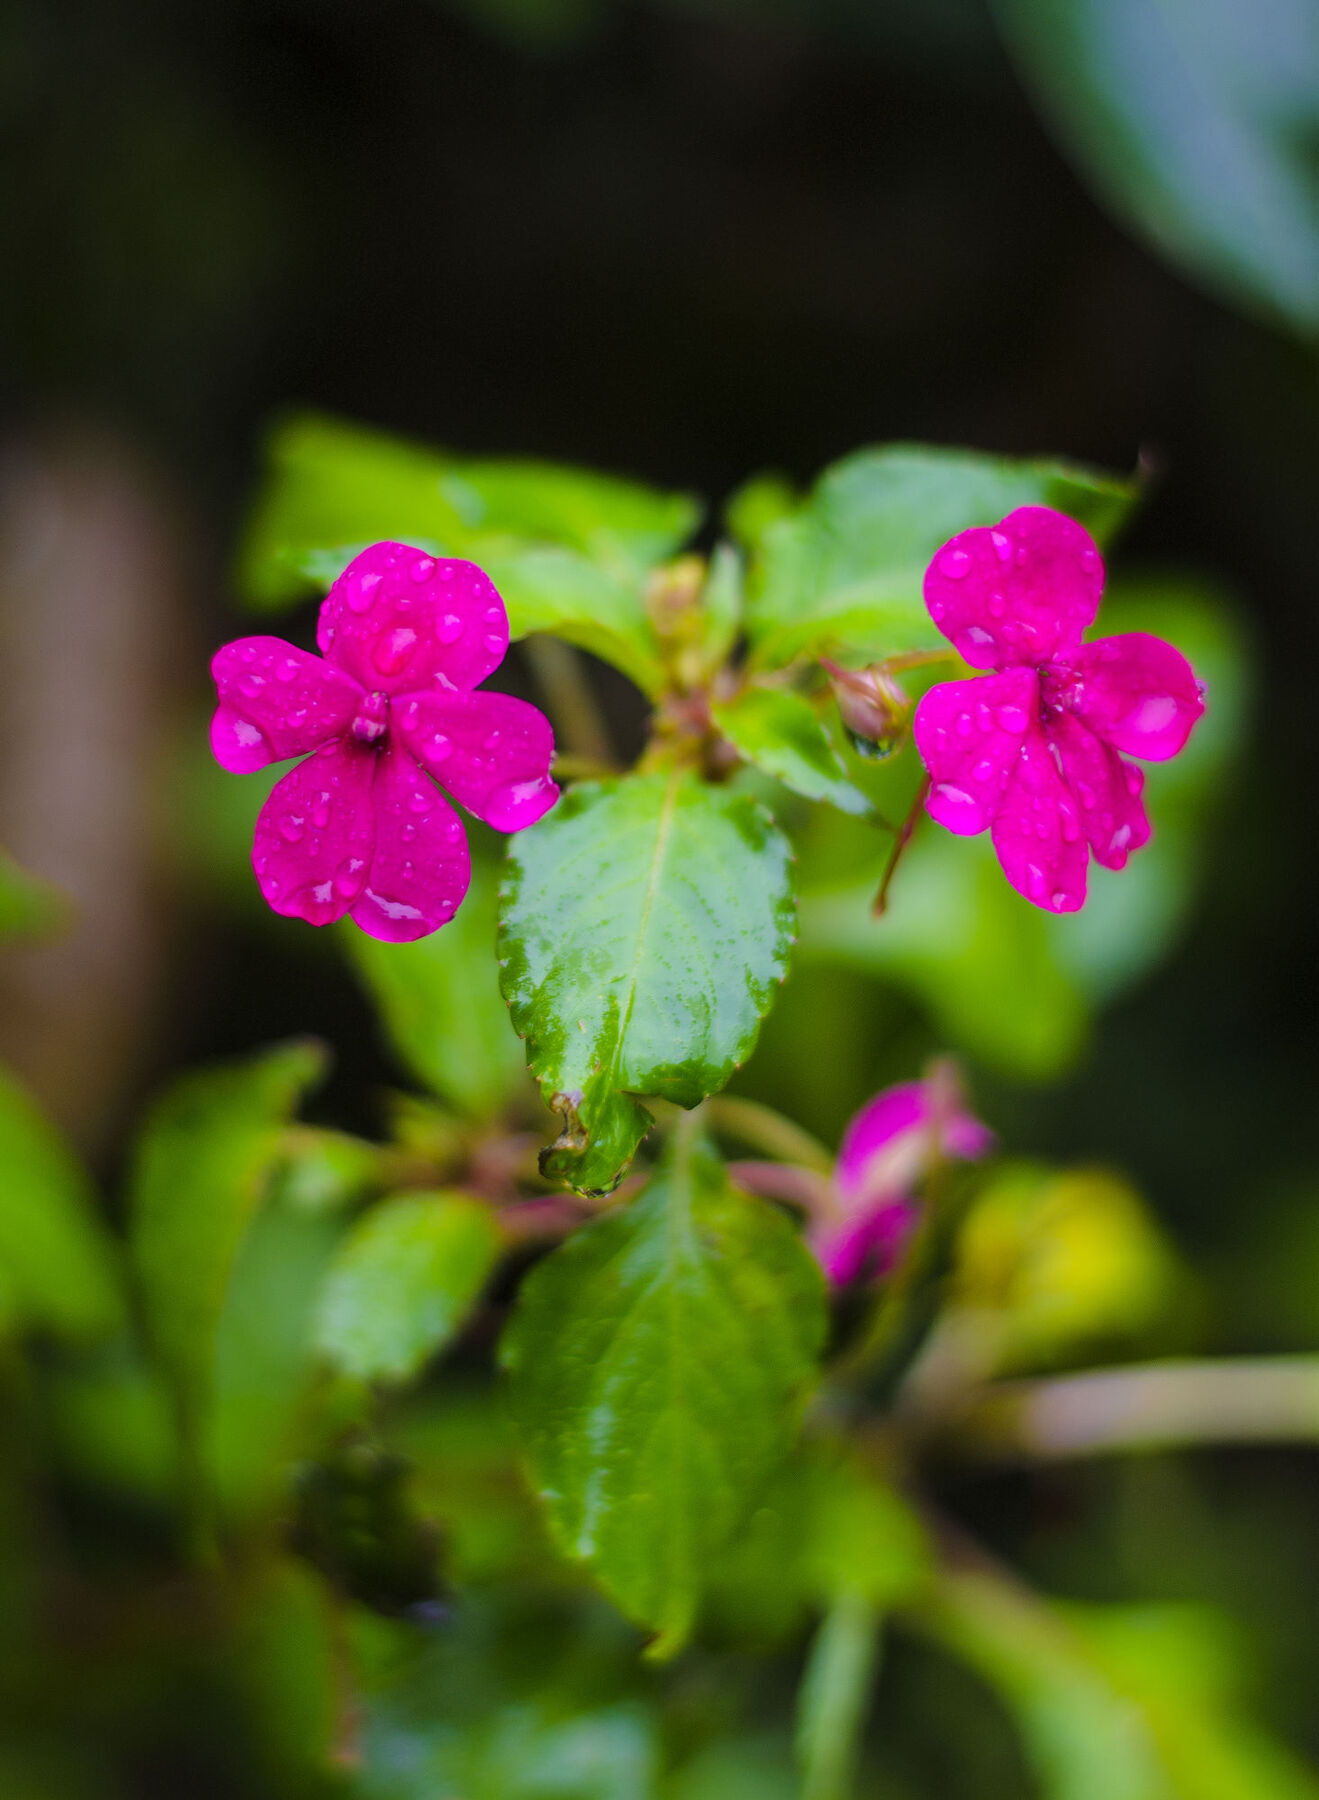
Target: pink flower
(886, 1149)
(1032, 751)
(359, 827)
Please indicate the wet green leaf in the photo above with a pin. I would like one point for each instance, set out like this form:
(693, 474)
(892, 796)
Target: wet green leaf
(781, 733)
(659, 1359)
(58, 1265)
(440, 1004)
(201, 1167)
(568, 549)
(844, 571)
(644, 926)
(403, 1282)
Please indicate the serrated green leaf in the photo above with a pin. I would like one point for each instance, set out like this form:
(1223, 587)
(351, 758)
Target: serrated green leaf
(58, 1266)
(403, 1282)
(844, 572)
(659, 1359)
(440, 1004)
(200, 1170)
(568, 549)
(781, 733)
(644, 926)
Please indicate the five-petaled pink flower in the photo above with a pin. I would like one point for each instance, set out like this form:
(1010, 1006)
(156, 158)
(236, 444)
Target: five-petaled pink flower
(359, 828)
(1033, 750)
(887, 1147)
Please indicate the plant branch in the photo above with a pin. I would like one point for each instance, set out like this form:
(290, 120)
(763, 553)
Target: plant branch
(764, 1129)
(1155, 1406)
(879, 906)
(572, 705)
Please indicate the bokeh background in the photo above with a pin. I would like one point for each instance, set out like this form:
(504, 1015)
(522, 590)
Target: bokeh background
(688, 240)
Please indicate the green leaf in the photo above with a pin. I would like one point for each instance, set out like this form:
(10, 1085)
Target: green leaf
(781, 733)
(1116, 1702)
(845, 571)
(201, 1167)
(569, 550)
(1196, 124)
(58, 1267)
(29, 907)
(963, 943)
(440, 1004)
(404, 1281)
(644, 926)
(659, 1360)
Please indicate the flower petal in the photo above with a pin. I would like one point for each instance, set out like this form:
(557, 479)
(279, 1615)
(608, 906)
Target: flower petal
(969, 734)
(870, 1244)
(490, 751)
(1136, 692)
(1037, 832)
(276, 701)
(1107, 791)
(1017, 592)
(897, 1109)
(421, 867)
(316, 834)
(398, 619)
(860, 1178)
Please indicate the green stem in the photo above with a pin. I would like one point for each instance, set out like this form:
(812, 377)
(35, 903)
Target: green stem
(834, 1697)
(764, 1129)
(1158, 1406)
(578, 721)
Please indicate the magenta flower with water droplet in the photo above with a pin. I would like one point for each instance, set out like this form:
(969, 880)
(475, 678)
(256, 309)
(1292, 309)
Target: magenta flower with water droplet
(359, 828)
(1036, 751)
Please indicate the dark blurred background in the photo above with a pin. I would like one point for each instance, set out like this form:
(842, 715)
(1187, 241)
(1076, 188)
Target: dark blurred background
(686, 240)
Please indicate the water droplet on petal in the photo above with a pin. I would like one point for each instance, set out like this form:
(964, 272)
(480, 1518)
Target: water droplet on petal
(1002, 545)
(291, 827)
(348, 876)
(408, 832)
(362, 592)
(320, 813)
(1059, 901)
(983, 770)
(494, 615)
(997, 606)
(251, 685)
(964, 726)
(438, 747)
(421, 800)
(449, 629)
(977, 635)
(393, 649)
(423, 568)
(286, 669)
(518, 803)
(1012, 718)
(494, 642)
(491, 740)
(954, 563)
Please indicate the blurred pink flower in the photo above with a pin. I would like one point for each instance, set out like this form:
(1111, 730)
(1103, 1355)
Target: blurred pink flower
(888, 1146)
(359, 828)
(1032, 751)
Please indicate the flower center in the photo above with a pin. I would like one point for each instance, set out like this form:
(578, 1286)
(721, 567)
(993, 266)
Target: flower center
(1060, 689)
(372, 721)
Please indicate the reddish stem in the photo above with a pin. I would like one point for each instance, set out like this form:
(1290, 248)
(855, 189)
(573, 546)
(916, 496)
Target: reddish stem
(905, 831)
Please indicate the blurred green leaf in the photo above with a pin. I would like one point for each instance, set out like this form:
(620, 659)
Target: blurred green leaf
(844, 572)
(58, 1264)
(1196, 120)
(568, 549)
(659, 1359)
(644, 928)
(1113, 1703)
(964, 944)
(440, 1003)
(202, 1162)
(113, 1427)
(324, 1171)
(29, 907)
(781, 733)
(466, 1473)
(259, 1404)
(403, 1282)
(1056, 1264)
